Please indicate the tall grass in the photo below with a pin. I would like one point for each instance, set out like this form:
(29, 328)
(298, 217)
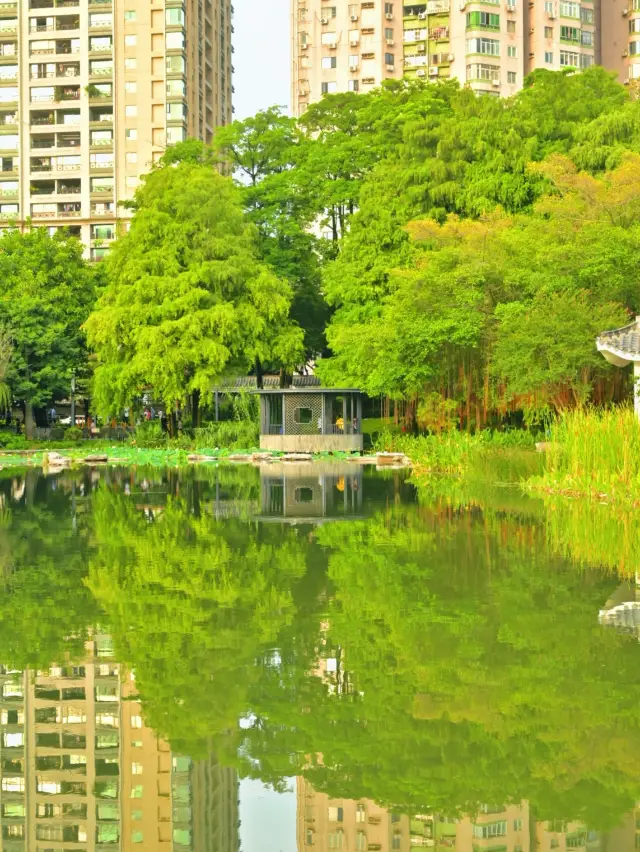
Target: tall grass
(595, 453)
(453, 451)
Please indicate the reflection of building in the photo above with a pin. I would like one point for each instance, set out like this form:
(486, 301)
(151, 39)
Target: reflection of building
(300, 492)
(81, 771)
(622, 610)
(328, 823)
(349, 824)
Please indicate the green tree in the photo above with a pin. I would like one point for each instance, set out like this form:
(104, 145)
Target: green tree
(47, 293)
(188, 300)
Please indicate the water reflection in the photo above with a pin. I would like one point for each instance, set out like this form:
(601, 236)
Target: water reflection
(433, 671)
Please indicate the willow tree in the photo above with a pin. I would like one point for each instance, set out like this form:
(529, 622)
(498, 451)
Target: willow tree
(188, 300)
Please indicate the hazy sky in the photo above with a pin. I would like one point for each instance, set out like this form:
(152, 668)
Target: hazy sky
(261, 58)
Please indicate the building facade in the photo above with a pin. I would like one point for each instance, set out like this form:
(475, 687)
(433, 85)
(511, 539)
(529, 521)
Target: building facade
(91, 94)
(488, 45)
(81, 772)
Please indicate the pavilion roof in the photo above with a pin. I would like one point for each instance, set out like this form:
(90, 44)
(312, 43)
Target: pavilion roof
(621, 346)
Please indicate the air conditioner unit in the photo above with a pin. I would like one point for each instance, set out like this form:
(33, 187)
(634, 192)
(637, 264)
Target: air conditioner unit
(353, 68)
(354, 42)
(390, 42)
(324, 20)
(354, 17)
(450, 57)
(625, 52)
(304, 47)
(389, 16)
(333, 45)
(422, 16)
(422, 48)
(462, 7)
(511, 7)
(627, 81)
(495, 83)
(552, 16)
(390, 67)
(433, 72)
(421, 72)
(625, 12)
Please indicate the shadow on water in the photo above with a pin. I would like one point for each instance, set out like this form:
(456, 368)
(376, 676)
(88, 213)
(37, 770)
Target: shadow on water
(440, 664)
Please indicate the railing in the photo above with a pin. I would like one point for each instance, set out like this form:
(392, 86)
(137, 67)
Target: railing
(69, 190)
(100, 142)
(102, 213)
(50, 214)
(101, 189)
(68, 213)
(108, 165)
(275, 429)
(72, 26)
(101, 72)
(42, 28)
(107, 48)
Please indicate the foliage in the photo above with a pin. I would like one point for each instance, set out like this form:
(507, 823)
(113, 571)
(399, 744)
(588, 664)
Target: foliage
(73, 433)
(149, 434)
(46, 296)
(232, 434)
(6, 349)
(594, 453)
(215, 308)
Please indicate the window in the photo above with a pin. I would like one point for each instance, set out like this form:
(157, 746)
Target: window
(174, 41)
(107, 720)
(388, 8)
(491, 829)
(361, 813)
(308, 837)
(328, 62)
(328, 12)
(388, 34)
(175, 65)
(305, 495)
(136, 721)
(482, 71)
(569, 59)
(353, 85)
(182, 837)
(335, 839)
(130, 15)
(107, 833)
(108, 812)
(131, 111)
(174, 17)
(586, 37)
(512, 51)
(512, 77)
(106, 789)
(13, 785)
(130, 63)
(131, 158)
(304, 416)
(100, 43)
(105, 232)
(548, 32)
(137, 837)
(511, 26)
(397, 841)
(586, 15)
(12, 740)
(136, 792)
(131, 181)
(131, 133)
(548, 7)
(175, 88)
(130, 86)
(548, 57)
(389, 59)
(175, 135)
(8, 94)
(329, 88)
(569, 9)
(483, 21)
(130, 40)
(136, 769)
(361, 842)
(488, 46)
(335, 814)
(570, 33)
(328, 38)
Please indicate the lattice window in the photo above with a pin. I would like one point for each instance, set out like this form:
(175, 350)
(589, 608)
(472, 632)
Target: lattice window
(303, 411)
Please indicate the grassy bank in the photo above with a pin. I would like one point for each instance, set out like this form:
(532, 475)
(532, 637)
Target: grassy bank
(593, 453)
(456, 452)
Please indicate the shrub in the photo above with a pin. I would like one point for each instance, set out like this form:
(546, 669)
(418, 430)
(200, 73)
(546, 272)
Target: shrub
(73, 433)
(232, 434)
(149, 434)
(11, 441)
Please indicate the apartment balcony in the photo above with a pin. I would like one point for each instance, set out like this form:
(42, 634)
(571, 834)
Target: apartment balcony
(45, 72)
(103, 208)
(8, 193)
(8, 25)
(8, 6)
(60, 48)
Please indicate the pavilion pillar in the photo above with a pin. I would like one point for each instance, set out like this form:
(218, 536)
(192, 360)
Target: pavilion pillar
(283, 397)
(323, 415)
(344, 414)
(359, 414)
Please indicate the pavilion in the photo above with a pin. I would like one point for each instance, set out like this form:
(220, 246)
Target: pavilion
(622, 347)
(310, 419)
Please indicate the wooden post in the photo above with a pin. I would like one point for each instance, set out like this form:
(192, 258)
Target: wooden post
(344, 414)
(359, 414)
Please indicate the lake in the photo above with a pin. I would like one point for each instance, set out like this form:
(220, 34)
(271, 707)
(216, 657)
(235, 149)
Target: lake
(315, 656)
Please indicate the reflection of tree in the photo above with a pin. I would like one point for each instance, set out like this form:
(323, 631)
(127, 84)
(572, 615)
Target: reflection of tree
(193, 604)
(482, 671)
(44, 607)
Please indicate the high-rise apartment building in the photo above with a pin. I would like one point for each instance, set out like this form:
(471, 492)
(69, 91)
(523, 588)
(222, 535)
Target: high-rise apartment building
(91, 94)
(488, 45)
(81, 772)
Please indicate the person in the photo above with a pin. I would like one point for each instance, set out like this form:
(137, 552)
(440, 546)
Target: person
(147, 415)
(354, 425)
(53, 415)
(164, 425)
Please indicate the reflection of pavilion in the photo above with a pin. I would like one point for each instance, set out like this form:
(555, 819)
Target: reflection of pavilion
(622, 610)
(302, 492)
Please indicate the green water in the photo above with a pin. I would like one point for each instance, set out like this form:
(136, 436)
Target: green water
(314, 656)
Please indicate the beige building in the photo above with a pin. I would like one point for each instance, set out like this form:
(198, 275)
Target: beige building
(489, 46)
(80, 771)
(91, 94)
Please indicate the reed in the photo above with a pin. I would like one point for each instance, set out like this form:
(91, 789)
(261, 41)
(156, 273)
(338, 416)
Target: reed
(595, 453)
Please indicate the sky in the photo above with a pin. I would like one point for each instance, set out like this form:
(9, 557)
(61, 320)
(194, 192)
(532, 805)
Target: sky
(261, 58)
(267, 819)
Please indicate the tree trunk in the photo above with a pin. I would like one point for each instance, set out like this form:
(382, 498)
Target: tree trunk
(259, 374)
(195, 408)
(29, 423)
